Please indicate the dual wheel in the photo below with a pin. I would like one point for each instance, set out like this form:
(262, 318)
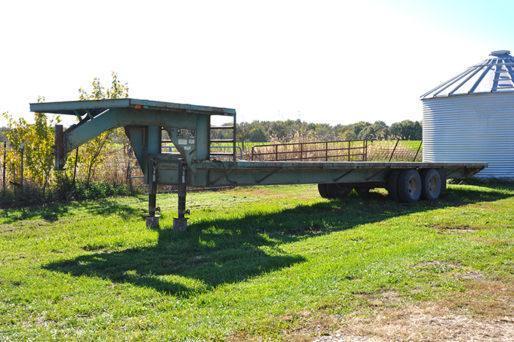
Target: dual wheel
(409, 186)
(406, 186)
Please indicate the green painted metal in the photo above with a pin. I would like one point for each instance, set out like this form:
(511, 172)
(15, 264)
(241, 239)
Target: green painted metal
(142, 120)
(242, 173)
(97, 106)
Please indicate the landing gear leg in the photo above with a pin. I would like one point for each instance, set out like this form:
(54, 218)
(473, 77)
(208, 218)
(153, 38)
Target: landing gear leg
(152, 221)
(180, 223)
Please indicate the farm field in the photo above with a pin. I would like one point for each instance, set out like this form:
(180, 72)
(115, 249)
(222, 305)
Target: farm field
(377, 150)
(274, 262)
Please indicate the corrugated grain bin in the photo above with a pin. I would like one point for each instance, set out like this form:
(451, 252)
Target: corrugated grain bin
(470, 118)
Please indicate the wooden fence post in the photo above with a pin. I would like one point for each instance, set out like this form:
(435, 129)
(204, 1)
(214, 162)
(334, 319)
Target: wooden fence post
(21, 166)
(4, 163)
(13, 175)
(394, 149)
(365, 150)
(129, 171)
(417, 152)
(75, 166)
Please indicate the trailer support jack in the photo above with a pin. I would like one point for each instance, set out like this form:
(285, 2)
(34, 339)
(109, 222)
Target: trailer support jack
(152, 220)
(180, 223)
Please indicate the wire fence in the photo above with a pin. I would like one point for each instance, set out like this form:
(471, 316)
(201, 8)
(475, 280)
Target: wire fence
(395, 150)
(121, 169)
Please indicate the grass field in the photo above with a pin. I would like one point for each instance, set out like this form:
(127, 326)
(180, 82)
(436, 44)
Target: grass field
(277, 262)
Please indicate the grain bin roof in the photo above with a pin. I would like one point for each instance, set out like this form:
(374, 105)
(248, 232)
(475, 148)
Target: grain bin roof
(493, 75)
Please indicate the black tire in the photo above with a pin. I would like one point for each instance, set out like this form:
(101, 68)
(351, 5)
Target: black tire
(432, 184)
(334, 190)
(392, 185)
(442, 172)
(339, 190)
(323, 190)
(409, 186)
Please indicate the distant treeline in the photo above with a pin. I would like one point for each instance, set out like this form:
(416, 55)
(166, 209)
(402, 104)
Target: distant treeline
(297, 130)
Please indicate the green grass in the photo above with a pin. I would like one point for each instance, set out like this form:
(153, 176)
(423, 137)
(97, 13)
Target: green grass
(251, 257)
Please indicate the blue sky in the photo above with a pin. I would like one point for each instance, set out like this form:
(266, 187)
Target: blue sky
(485, 20)
(323, 61)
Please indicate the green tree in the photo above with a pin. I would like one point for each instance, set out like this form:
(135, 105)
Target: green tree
(407, 129)
(91, 153)
(35, 143)
(353, 131)
(380, 130)
(257, 134)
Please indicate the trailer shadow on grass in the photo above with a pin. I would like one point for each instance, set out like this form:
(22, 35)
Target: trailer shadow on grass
(218, 251)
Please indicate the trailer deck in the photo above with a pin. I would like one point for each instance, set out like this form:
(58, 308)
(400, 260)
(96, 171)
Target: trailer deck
(304, 172)
(197, 163)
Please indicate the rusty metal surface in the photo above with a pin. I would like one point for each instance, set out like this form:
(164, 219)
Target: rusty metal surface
(240, 173)
(349, 150)
(331, 165)
(339, 150)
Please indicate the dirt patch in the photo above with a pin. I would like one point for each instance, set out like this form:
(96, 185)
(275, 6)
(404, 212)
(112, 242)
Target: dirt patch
(7, 229)
(382, 299)
(484, 298)
(315, 324)
(437, 266)
(455, 229)
(423, 323)
(471, 275)
(483, 312)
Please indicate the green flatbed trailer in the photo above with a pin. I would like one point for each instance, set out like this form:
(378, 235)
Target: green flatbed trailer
(198, 164)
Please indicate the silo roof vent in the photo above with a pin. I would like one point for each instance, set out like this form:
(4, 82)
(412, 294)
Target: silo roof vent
(493, 75)
(500, 53)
